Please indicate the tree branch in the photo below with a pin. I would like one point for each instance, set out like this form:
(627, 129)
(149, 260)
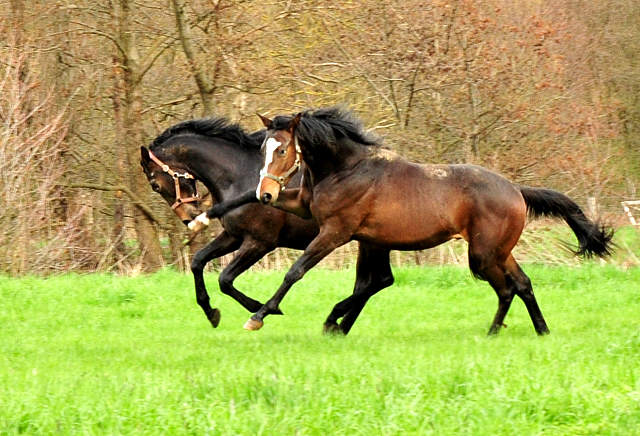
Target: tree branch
(136, 201)
(363, 73)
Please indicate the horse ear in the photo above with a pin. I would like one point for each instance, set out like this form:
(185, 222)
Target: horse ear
(144, 153)
(266, 121)
(293, 124)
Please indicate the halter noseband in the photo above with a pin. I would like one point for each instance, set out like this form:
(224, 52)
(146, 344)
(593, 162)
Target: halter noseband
(296, 165)
(176, 176)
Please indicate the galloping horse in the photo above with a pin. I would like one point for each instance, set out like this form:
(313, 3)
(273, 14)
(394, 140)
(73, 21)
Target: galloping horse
(226, 160)
(356, 190)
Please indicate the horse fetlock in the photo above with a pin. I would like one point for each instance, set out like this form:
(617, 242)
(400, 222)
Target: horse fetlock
(272, 309)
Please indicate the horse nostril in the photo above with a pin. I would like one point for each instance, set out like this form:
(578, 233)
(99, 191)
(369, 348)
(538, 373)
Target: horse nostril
(266, 198)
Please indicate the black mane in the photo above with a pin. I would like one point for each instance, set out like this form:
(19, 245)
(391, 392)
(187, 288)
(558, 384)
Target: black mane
(212, 127)
(329, 126)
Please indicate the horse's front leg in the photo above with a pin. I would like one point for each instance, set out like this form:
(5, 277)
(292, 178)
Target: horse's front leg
(248, 254)
(327, 241)
(220, 209)
(295, 201)
(223, 244)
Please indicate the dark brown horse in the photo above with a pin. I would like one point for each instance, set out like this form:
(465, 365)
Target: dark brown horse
(357, 190)
(226, 160)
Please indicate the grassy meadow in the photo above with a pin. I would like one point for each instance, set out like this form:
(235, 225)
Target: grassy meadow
(109, 355)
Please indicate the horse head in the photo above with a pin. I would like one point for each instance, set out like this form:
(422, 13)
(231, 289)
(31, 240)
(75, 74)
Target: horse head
(178, 189)
(282, 159)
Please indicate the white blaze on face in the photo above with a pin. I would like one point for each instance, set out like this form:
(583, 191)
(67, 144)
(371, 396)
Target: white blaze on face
(271, 146)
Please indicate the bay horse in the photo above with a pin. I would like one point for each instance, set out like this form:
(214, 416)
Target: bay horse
(226, 159)
(357, 190)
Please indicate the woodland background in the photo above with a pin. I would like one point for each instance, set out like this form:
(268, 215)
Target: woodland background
(547, 92)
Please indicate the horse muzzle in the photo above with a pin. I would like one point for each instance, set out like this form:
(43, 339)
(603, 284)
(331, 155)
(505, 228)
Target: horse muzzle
(266, 198)
(267, 191)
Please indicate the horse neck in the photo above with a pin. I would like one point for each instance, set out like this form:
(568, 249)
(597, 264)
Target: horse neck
(322, 161)
(226, 169)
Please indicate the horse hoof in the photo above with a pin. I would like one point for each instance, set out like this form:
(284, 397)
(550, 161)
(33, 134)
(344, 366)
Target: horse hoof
(332, 329)
(214, 319)
(253, 325)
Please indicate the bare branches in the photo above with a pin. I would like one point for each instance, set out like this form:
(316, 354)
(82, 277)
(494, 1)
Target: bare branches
(134, 198)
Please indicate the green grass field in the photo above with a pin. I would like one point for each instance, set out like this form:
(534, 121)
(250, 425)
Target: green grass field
(107, 355)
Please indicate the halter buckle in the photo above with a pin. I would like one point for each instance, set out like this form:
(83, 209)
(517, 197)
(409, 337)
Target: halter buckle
(176, 176)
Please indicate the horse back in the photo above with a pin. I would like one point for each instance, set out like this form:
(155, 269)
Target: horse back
(415, 206)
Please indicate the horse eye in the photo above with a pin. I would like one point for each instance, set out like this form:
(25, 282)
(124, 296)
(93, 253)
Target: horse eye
(155, 186)
(282, 151)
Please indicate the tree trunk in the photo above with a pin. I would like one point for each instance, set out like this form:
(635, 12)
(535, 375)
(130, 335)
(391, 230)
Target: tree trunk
(120, 163)
(129, 60)
(204, 82)
(206, 86)
(146, 231)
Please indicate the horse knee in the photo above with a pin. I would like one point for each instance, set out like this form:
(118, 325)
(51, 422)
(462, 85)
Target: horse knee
(225, 282)
(198, 263)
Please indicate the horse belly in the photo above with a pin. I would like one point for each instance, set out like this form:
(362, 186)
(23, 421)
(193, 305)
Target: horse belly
(406, 231)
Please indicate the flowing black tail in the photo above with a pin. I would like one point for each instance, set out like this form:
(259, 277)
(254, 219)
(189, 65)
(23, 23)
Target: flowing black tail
(593, 237)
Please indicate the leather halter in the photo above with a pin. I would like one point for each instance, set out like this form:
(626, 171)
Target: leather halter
(176, 176)
(296, 166)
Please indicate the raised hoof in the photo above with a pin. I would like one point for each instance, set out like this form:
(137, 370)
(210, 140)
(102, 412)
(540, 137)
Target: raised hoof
(332, 329)
(253, 325)
(214, 319)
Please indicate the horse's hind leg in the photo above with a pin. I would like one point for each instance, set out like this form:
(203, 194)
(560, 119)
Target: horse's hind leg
(524, 290)
(508, 280)
(373, 273)
(499, 282)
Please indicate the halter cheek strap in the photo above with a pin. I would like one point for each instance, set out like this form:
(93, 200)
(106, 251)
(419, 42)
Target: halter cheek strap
(296, 166)
(176, 180)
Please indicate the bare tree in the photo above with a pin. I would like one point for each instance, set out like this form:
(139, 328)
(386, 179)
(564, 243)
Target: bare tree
(544, 92)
